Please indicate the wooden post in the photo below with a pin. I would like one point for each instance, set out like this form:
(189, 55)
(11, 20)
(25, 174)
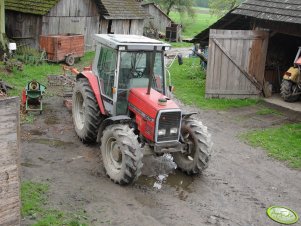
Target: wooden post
(2, 24)
(9, 161)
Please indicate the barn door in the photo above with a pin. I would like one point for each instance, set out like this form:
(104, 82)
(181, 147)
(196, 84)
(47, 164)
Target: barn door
(236, 63)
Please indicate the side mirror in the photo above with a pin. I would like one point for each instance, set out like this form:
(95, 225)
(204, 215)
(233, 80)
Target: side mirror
(171, 88)
(180, 59)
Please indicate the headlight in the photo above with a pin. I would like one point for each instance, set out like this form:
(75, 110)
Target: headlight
(161, 132)
(173, 130)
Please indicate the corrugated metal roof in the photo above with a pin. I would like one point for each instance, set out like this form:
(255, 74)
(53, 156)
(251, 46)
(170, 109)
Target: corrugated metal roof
(39, 7)
(120, 9)
(274, 10)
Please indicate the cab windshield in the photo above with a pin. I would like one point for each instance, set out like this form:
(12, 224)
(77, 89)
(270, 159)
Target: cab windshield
(135, 69)
(134, 72)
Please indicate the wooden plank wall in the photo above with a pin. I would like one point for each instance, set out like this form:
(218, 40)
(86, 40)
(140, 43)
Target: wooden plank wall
(136, 27)
(224, 78)
(122, 26)
(24, 28)
(158, 19)
(9, 162)
(76, 16)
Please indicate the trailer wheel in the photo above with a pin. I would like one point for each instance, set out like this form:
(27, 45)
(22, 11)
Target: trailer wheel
(287, 91)
(85, 111)
(121, 154)
(196, 153)
(70, 60)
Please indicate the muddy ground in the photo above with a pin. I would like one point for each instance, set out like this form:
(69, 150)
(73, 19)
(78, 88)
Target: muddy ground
(240, 183)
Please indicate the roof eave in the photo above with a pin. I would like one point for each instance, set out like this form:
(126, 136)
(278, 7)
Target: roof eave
(123, 18)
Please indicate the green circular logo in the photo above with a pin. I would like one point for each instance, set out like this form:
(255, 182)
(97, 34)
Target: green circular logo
(282, 215)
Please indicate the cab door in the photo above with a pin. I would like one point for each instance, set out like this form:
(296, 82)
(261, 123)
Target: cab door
(105, 68)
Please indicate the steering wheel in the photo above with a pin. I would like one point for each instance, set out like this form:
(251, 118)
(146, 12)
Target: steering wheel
(138, 73)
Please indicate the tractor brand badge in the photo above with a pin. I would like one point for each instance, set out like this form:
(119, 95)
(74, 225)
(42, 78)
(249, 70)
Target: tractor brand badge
(282, 215)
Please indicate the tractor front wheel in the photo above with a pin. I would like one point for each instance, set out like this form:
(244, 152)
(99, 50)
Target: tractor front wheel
(287, 91)
(85, 111)
(121, 154)
(197, 144)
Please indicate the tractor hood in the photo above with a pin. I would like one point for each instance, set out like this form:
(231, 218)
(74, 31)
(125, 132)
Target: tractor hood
(149, 104)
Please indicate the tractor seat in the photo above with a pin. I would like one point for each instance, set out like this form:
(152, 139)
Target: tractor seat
(138, 83)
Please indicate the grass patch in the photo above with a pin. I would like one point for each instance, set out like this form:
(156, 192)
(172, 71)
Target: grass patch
(193, 26)
(190, 81)
(34, 199)
(27, 118)
(180, 44)
(268, 111)
(282, 143)
(19, 79)
(33, 196)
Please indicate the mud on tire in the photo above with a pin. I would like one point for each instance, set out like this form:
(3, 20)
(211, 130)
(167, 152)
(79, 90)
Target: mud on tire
(85, 111)
(287, 91)
(198, 146)
(121, 154)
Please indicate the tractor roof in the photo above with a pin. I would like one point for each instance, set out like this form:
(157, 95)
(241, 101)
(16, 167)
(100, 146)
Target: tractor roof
(131, 42)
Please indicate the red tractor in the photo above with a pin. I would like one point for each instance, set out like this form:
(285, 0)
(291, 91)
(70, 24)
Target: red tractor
(122, 103)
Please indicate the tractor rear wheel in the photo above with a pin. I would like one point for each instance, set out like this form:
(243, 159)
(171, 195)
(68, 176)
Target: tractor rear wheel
(85, 111)
(287, 91)
(121, 154)
(197, 147)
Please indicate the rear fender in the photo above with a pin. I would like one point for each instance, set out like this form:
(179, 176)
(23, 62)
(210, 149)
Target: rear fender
(112, 120)
(95, 88)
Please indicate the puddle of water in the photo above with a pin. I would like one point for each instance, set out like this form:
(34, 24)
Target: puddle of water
(51, 120)
(37, 132)
(52, 142)
(29, 165)
(154, 166)
(160, 171)
(177, 180)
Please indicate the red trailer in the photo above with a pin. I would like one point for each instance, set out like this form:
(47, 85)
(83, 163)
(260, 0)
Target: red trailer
(63, 47)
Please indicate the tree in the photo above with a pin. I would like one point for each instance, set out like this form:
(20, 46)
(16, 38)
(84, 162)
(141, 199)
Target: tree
(181, 6)
(221, 7)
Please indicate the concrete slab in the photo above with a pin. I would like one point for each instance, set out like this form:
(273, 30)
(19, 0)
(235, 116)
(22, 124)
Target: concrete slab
(278, 101)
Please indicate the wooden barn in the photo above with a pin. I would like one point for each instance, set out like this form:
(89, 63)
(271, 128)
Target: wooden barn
(27, 20)
(157, 19)
(251, 47)
(121, 17)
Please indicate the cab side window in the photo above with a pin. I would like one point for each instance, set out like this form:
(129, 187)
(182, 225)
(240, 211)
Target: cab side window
(106, 70)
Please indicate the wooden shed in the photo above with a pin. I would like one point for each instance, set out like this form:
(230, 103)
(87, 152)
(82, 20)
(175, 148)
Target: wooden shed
(121, 17)
(252, 45)
(156, 18)
(27, 20)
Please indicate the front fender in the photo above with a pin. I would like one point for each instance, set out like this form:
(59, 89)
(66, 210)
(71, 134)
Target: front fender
(93, 81)
(186, 115)
(110, 121)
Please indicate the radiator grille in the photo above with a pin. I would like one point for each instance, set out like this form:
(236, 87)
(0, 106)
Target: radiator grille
(168, 120)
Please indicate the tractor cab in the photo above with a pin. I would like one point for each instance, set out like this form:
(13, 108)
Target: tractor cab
(123, 62)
